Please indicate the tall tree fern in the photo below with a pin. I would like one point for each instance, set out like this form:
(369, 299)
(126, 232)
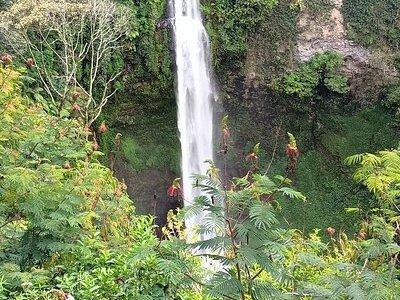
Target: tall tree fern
(246, 238)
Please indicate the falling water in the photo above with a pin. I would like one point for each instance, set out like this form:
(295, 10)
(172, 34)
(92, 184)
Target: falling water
(195, 96)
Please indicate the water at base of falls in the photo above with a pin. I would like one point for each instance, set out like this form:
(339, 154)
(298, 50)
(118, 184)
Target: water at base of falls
(195, 95)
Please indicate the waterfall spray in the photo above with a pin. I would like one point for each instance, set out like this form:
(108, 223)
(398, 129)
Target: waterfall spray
(195, 94)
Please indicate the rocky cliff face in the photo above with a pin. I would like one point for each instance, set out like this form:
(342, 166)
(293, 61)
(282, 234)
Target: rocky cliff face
(278, 47)
(322, 32)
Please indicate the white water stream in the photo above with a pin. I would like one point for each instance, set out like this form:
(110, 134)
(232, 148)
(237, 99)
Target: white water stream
(196, 96)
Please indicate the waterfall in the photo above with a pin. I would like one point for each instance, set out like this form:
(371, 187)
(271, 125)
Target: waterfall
(195, 95)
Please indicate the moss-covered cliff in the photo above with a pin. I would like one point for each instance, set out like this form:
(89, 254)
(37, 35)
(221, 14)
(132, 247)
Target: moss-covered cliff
(255, 45)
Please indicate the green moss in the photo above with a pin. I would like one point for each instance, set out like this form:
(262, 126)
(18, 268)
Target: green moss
(276, 37)
(229, 24)
(149, 134)
(323, 178)
(373, 23)
(147, 51)
(156, 152)
(370, 130)
(329, 190)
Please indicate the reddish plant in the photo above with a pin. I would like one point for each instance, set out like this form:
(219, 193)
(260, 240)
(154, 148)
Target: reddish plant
(76, 107)
(251, 157)
(76, 95)
(95, 146)
(330, 231)
(120, 190)
(6, 59)
(292, 152)
(30, 62)
(362, 235)
(88, 131)
(175, 189)
(226, 134)
(103, 128)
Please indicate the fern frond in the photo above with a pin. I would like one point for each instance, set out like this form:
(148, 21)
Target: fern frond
(286, 191)
(215, 244)
(354, 159)
(262, 215)
(262, 290)
(222, 284)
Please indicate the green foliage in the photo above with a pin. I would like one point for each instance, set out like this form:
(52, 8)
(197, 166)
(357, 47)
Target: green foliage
(320, 174)
(152, 156)
(393, 100)
(151, 62)
(52, 189)
(144, 112)
(393, 97)
(255, 258)
(373, 23)
(142, 271)
(317, 6)
(328, 195)
(66, 224)
(380, 174)
(4, 4)
(341, 269)
(345, 134)
(271, 46)
(322, 69)
(316, 83)
(243, 236)
(149, 135)
(231, 21)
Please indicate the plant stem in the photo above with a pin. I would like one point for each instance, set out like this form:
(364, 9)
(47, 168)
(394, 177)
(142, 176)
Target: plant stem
(234, 248)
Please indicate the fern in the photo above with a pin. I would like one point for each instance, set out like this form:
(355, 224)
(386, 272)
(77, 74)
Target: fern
(354, 159)
(213, 245)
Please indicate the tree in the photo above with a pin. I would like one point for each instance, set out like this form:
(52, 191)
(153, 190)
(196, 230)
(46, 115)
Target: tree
(72, 45)
(243, 235)
(53, 191)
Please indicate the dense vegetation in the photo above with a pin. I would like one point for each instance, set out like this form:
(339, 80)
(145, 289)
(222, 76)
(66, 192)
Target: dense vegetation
(373, 23)
(87, 95)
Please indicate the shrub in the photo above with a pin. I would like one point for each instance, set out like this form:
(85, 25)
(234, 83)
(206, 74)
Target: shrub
(324, 69)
